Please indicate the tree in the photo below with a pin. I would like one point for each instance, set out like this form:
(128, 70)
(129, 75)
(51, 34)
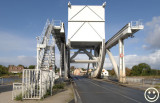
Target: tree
(141, 69)
(111, 72)
(128, 71)
(21, 65)
(83, 69)
(31, 67)
(3, 70)
(146, 69)
(72, 68)
(136, 71)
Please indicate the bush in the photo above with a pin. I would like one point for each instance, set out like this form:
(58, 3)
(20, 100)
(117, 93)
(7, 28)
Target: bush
(59, 86)
(19, 97)
(47, 94)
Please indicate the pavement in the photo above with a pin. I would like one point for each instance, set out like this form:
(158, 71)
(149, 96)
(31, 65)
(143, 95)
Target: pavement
(94, 91)
(66, 96)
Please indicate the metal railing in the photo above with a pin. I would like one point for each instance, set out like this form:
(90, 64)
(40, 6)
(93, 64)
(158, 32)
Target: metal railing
(17, 90)
(135, 24)
(31, 84)
(36, 83)
(56, 23)
(1, 80)
(143, 81)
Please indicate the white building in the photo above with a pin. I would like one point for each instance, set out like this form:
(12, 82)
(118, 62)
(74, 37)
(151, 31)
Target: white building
(104, 73)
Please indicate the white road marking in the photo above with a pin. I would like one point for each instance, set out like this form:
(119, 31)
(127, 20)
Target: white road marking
(75, 84)
(77, 93)
(114, 92)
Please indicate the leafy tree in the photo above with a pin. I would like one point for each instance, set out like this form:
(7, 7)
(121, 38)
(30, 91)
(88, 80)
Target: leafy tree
(31, 67)
(72, 68)
(3, 70)
(141, 69)
(21, 65)
(83, 69)
(128, 71)
(135, 70)
(146, 69)
(111, 72)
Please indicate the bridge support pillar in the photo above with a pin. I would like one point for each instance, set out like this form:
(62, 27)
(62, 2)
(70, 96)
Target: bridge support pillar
(65, 62)
(88, 64)
(115, 66)
(68, 61)
(62, 60)
(122, 71)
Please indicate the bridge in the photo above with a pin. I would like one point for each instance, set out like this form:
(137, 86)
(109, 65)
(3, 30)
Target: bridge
(86, 35)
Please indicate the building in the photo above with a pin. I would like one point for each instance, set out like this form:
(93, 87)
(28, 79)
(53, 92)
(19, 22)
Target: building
(79, 72)
(15, 69)
(104, 73)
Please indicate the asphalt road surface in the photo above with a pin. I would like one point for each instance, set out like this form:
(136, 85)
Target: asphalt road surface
(93, 91)
(5, 88)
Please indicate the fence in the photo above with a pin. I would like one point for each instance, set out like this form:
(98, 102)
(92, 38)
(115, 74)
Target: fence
(1, 80)
(35, 84)
(31, 88)
(150, 81)
(17, 90)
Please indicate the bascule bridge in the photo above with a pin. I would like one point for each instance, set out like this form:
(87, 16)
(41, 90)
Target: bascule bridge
(86, 35)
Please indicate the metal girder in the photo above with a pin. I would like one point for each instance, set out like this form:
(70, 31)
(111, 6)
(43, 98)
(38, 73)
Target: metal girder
(127, 31)
(65, 62)
(115, 66)
(84, 61)
(58, 32)
(75, 54)
(101, 56)
(89, 54)
(68, 61)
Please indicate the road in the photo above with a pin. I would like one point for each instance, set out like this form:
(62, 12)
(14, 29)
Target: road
(93, 91)
(5, 88)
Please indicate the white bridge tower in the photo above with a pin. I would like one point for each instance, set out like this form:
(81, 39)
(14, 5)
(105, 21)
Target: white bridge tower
(86, 34)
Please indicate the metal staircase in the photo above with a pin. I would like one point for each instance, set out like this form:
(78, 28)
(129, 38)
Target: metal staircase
(46, 49)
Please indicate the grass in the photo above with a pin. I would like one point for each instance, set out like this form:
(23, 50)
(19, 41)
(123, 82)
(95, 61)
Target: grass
(47, 94)
(59, 86)
(158, 84)
(145, 76)
(56, 88)
(157, 87)
(19, 97)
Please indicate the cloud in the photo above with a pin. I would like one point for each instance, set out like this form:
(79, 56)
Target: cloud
(152, 59)
(24, 60)
(12, 42)
(153, 31)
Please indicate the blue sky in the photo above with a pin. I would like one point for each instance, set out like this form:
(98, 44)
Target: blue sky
(22, 20)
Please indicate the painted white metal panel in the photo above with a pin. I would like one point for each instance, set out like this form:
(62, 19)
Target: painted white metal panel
(86, 13)
(87, 31)
(86, 24)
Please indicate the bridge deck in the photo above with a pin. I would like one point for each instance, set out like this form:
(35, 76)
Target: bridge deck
(92, 91)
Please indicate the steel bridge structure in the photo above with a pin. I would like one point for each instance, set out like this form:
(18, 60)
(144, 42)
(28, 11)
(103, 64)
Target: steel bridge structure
(86, 35)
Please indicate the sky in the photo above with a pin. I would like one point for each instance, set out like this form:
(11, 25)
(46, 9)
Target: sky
(21, 21)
